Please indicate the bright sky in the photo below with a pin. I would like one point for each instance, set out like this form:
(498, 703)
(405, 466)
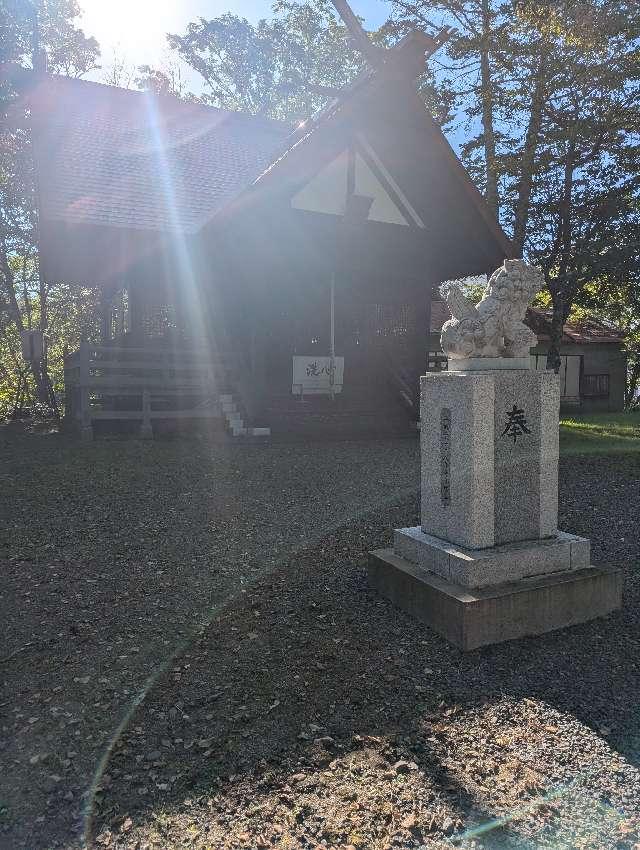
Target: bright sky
(135, 29)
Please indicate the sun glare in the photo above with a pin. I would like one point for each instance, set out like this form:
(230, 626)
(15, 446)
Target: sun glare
(135, 31)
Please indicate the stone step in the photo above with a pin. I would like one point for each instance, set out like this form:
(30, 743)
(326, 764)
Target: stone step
(475, 568)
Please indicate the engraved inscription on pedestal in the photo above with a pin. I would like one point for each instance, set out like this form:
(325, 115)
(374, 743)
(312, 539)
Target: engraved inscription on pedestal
(445, 456)
(521, 466)
(516, 425)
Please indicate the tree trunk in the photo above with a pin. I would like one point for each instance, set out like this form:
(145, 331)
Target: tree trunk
(486, 94)
(558, 319)
(562, 292)
(528, 157)
(43, 383)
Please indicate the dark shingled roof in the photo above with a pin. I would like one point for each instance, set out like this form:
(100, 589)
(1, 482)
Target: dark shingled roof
(122, 158)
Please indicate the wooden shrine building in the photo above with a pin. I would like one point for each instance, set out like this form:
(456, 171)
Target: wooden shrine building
(273, 276)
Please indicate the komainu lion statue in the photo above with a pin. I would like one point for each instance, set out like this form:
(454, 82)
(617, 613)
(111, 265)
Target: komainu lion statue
(494, 327)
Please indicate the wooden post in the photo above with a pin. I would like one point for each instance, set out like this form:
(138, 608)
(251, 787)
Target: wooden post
(425, 365)
(68, 390)
(146, 430)
(86, 429)
(259, 358)
(332, 340)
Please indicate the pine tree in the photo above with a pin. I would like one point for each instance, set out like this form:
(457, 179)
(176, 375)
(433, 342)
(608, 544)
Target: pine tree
(550, 93)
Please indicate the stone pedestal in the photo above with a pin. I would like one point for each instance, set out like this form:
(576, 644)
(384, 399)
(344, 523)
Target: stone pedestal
(488, 563)
(489, 456)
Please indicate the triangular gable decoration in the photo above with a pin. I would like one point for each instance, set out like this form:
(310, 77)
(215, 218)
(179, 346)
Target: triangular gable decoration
(327, 191)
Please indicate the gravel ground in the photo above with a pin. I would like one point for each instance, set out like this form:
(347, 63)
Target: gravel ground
(140, 710)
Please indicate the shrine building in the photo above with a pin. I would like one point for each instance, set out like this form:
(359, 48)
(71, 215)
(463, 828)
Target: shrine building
(250, 272)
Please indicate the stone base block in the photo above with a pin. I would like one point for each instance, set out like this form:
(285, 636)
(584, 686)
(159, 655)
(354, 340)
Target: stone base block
(473, 618)
(495, 565)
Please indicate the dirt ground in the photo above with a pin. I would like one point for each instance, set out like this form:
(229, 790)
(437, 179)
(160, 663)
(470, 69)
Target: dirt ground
(192, 657)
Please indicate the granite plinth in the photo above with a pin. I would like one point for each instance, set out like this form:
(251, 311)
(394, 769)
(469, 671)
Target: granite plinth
(473, 618)
(474, 568)
(490, 456)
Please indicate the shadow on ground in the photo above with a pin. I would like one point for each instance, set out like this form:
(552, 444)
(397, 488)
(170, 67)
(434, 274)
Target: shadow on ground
(312, 711)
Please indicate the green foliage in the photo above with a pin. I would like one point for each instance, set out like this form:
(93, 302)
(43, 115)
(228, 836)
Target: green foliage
(26, 301)
(163, 81)
(271, 67)
(71, 315)
(69, 51)
(472, 288)
(279, 67)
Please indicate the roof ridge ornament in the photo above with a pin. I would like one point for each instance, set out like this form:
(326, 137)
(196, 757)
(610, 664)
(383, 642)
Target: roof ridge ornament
(377, 56)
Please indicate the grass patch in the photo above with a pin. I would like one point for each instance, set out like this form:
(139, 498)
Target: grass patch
(600, 433)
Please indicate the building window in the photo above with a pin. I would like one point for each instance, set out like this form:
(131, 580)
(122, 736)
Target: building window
(595, 386)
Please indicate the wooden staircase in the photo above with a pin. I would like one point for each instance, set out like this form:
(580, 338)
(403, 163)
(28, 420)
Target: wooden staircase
(153, 384)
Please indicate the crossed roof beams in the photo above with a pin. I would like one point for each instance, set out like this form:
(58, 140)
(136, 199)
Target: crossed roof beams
(374, 55)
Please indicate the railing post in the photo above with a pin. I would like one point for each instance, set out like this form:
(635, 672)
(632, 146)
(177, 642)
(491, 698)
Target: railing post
(146, 431)
(86, 430)
(211, 381)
